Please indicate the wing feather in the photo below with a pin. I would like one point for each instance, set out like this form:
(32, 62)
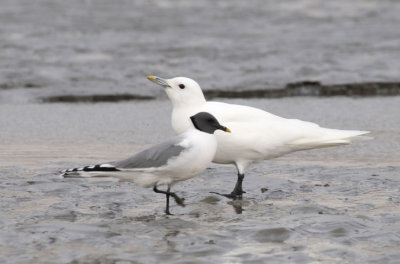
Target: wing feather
(156, 156)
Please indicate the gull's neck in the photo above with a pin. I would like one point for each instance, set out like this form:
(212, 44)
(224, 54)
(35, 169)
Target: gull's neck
(191, 103)
(181, 113)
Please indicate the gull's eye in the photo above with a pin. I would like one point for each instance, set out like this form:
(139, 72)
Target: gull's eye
(182, 86)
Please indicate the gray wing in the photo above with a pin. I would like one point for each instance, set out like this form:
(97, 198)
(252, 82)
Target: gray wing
(156, 156)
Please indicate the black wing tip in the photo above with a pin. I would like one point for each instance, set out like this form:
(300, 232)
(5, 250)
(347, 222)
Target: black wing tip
(98, 167)
(101, 167)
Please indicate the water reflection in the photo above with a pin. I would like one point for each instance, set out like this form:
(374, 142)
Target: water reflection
(170, 245)
(237, 205)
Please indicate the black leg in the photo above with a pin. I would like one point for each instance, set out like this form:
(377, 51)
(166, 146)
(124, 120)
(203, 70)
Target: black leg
(178, 200)
(167, 206)
(237, 192)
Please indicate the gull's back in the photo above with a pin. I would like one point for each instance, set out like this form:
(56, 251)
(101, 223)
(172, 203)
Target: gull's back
(257, 134)
(156, 156)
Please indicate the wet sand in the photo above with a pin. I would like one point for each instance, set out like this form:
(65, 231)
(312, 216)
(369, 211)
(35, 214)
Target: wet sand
(336, 205)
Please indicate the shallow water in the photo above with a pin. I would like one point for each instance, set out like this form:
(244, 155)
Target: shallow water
(335, 205)
(85, 47)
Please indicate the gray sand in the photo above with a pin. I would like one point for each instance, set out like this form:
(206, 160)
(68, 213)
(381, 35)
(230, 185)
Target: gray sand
(333, 205)
(337, 205)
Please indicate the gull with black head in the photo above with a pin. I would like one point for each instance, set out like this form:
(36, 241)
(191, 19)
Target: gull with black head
(180, 158)
(256, 134)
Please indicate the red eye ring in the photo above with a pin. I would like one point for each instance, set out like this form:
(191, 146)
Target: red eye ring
(182, 86)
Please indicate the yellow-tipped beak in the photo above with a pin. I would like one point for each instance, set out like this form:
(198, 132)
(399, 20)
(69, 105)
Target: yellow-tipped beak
(158, 80)
(228, 130)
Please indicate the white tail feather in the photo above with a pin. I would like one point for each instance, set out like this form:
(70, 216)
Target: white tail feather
(329, 138)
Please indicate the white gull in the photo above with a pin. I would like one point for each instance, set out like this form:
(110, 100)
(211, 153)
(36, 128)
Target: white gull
(256, 134)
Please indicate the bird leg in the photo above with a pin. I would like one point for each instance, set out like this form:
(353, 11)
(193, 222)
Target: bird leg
(237, 192)
(178, 200)
(167, 205)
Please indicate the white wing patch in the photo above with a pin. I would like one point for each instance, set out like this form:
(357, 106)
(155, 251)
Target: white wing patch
(106, 166)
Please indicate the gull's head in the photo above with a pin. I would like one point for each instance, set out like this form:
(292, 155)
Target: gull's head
(181, 91)
(207, 123)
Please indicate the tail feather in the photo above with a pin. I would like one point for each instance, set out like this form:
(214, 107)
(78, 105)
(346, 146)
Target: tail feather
(88, 171)
(330, 137)
(344, 136)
